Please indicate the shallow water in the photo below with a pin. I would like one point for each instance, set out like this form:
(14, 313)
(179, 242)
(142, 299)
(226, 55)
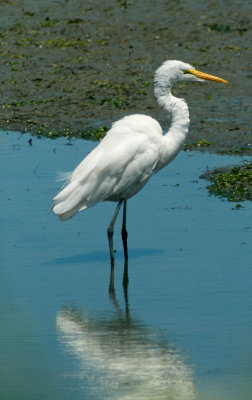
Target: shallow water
(185, 330)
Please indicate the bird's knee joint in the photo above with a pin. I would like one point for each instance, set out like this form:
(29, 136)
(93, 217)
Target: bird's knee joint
(110, 232)
(124, 233)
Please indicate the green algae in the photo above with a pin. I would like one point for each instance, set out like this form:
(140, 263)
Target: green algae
(196, 145)
(86, 64)
(94, 134)
(233, 183)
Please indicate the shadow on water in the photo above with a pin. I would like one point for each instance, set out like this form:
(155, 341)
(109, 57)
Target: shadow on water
(95, 256)
(120, 358)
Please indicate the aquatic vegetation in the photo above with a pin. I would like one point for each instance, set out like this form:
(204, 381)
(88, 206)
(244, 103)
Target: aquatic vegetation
(196, 145)
(15, 103)
(120, 102)
(108, 84)
(224, 28)
(48, 23)
(233, 183)
(62, 42)
(94, 134)
(93, 70)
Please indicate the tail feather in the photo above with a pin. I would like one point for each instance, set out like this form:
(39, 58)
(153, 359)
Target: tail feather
(69, 214)
(69, 201)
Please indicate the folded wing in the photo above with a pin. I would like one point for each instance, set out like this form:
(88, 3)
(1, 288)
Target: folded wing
(117, 168)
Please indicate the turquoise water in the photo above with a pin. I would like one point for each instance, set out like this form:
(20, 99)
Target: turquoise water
(185, 332)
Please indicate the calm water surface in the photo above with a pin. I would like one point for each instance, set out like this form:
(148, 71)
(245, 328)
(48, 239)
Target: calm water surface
(184, 332)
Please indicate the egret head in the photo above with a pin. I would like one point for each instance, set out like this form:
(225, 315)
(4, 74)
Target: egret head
(173, 71)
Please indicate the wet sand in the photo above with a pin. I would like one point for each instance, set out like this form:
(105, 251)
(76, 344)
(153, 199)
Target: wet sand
(72, 67)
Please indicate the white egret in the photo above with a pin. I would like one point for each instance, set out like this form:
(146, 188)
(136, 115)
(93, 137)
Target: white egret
(132, 150)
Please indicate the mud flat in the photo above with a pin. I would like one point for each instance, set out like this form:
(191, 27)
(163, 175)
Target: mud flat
(71, 68)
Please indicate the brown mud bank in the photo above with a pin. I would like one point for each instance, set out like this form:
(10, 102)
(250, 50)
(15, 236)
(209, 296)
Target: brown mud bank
(73, 67)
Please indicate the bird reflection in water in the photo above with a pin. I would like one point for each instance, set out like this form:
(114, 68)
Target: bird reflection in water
(121, 359)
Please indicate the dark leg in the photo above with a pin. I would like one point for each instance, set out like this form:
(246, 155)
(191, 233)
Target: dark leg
(124, 231)
(125, 277)
(110, 232)
(125, 290)
(125, 247)
(112, 280)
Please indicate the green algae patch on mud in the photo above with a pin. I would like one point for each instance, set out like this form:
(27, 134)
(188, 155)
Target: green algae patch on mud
(233, 183)
(73, 67)
(93, 134)
(196, 145)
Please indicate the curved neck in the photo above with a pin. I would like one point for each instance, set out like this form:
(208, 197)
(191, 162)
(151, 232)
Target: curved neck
(175, 136)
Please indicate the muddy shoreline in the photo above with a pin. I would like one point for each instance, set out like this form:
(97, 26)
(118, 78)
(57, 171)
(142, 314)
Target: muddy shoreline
(71, 67)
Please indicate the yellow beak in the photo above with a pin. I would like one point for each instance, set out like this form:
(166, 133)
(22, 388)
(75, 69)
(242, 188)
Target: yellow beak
(202, 75)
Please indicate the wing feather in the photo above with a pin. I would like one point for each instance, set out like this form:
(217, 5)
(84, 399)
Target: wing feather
(117, 168)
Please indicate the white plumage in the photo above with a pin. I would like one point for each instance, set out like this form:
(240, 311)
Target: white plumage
(116, 169)
(132, 150)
